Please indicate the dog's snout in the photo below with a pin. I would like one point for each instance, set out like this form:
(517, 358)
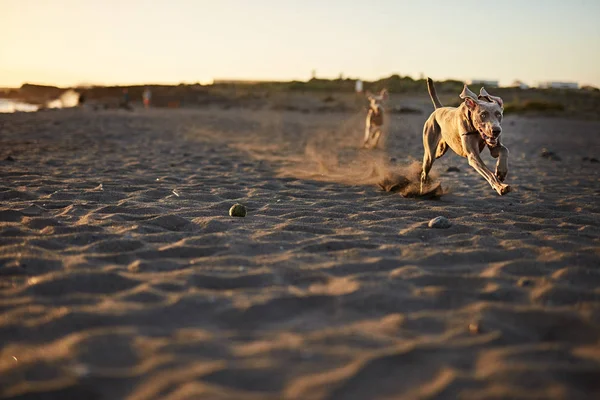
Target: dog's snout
(496, 131)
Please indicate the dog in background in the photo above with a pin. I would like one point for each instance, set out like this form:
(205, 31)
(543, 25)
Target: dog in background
(467, 129)
(375, 119)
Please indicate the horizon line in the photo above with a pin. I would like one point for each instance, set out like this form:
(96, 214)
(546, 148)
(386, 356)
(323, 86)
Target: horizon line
(247, 80)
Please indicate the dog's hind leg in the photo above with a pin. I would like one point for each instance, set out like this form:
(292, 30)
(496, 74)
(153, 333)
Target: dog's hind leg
(375, 138)
(442, 148)
(431, 138)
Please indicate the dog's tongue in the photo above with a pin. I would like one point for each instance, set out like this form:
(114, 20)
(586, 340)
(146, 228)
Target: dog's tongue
(490, 140)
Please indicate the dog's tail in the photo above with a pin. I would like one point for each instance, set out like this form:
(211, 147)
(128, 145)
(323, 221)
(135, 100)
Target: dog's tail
(433, 94)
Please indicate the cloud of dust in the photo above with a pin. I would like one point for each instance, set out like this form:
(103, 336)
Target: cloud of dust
(329, 159)
(330, 154)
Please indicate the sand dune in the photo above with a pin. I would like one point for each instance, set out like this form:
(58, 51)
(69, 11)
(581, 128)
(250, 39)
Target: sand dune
(122, 275)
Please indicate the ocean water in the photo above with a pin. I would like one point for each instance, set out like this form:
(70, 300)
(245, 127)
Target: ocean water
(68, 99)
(10, 106)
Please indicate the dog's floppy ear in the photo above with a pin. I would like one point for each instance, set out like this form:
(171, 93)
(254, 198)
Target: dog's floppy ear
(484, 93)
(469, 97)
(471, 104)
(467, 93)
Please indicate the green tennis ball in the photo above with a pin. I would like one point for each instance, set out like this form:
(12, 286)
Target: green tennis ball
(237, 210)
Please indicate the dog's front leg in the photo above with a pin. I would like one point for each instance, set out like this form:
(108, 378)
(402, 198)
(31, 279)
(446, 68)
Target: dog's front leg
(501, 153)
(470, 144)
(367, 130)
(477, 163)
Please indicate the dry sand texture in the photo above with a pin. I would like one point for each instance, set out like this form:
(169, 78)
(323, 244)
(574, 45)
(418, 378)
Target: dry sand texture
(122, 275)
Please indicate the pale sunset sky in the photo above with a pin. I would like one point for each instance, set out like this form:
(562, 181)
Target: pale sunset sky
(71, 42)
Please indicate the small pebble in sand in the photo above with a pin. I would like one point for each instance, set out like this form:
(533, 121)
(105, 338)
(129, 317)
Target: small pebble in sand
(474, 328)
(134, 266)
(237, 210)
(440, 223)
(80, 370)
(525, 282)
(33, 210)
(10, 158)
(453, 169)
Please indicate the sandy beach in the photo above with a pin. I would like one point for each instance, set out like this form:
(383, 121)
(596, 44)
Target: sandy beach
(122, 276)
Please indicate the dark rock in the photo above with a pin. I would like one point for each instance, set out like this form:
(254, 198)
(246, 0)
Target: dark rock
(550, 155)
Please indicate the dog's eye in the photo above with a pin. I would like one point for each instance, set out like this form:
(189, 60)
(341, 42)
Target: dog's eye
(499, 115)
(483, 115)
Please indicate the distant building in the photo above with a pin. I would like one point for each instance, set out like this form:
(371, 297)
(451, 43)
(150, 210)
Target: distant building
(519, 84)
(483, 82)
(558, 85)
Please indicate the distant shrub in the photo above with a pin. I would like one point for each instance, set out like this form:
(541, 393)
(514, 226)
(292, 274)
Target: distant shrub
(589, 88)
(533, 106)
(394, 84)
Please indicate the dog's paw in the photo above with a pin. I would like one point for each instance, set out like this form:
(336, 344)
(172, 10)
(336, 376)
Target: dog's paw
(501, 175)
(503, 189)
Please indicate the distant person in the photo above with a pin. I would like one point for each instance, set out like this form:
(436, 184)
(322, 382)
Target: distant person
(81, 99)
(125, 97)
(147, 96)
(358, 86)
(125, 102)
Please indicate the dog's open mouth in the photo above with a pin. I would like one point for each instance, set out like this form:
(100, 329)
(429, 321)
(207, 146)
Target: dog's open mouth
(490, 140)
